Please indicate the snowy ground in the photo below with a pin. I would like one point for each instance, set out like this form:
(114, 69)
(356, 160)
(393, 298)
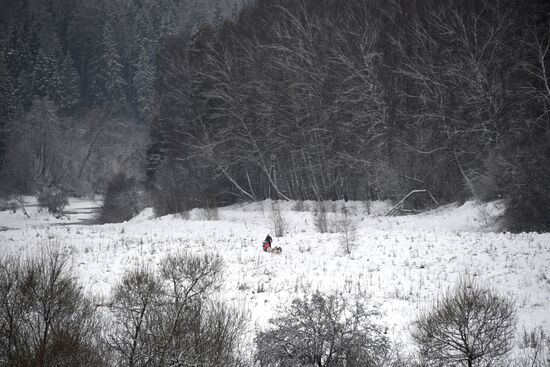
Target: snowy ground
(403, 263)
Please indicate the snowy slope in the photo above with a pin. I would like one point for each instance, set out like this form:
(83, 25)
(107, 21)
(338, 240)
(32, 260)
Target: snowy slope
(403, 263)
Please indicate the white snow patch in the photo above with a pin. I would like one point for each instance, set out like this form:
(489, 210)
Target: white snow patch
(404, 263)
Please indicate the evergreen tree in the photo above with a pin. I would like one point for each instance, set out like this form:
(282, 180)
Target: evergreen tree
(217, 17)
(6, 103)
(69, 93)
(144, 83)
(46, 48)
(107, 78)
(144, 75)
(14, 52)
(7, 106)
(167, 25)
(96, 78)
(113, 69)
(19, 62)
(33, 40)
(45, 76)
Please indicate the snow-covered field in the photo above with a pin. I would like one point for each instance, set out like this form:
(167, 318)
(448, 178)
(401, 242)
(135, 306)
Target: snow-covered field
(403, 263)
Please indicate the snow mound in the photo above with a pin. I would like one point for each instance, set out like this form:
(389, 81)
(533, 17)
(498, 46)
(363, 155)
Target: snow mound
(143, 216)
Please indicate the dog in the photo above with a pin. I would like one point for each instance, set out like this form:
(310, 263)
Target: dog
(276, 250)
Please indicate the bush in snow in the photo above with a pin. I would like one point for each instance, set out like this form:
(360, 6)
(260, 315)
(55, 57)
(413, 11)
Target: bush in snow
(325, 217)
(323, 330)
(470, 326)
(168, 318)
(124, 199)
(45, 319)
(277, 220)
(348, 231)
(534, 350)
(53, 199)
(300, 206)
(133, 303)
(208, 213)
(517, 173)
(320, 217)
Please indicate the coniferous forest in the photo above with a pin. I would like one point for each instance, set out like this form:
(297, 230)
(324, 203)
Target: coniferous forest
(204, 103)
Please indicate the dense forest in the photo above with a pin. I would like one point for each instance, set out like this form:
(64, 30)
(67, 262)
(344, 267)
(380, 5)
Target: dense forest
(78, 86)
(282, 99)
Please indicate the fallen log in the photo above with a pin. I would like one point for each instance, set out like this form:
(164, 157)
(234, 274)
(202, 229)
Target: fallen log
(398, 206)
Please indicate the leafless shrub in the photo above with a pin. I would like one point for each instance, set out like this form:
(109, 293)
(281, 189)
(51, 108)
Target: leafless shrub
(45, 320)
(124, 198)
(513, 173)
(133, 306)
(212, 214)
(471, 325)
(53, 199)
(323, 330)
(278, 222)
(170, 319)
(398, 356)
(320, 217)
(299, 206)
(185, 215)
(368, 204)
(197, 329)
(215, 340)
(534, 350)
(208, 213)
(191, 276)
(348, 231)
(326, 217)
(15, 202)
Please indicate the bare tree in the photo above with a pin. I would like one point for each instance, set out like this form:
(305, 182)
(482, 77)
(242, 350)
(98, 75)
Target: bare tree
(45, 320)
(171, 319)
(348, 231)
(323, 330)
(132, 307)
(534, 350)
(277, 220)
(320, 217)
(194, 327)
(124, 198)
(471, 325)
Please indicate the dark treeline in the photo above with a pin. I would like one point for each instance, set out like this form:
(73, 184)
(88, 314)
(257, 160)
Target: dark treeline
(361, 99)
(77, 86)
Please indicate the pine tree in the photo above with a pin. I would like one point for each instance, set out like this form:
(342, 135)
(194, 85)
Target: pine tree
(107, 82)
(45, 77)
(69, 92)
(46, 51)
(217, 16)
(144, 75)
(96, 79)
(144, 84)
(167, 19)
(7, 90)
(15, 47)
(7, 106)
(113, 69)
(19, 62)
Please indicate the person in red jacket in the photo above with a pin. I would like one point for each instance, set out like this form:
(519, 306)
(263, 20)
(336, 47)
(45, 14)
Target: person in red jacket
(266, 245)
